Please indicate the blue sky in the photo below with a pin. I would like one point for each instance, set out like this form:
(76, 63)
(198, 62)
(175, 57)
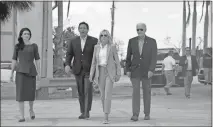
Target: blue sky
(162, 18)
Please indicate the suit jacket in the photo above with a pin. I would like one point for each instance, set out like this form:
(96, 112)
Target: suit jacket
(207, 61)
(184, 66)
(113, 64)
(139, 64)
(82, 59)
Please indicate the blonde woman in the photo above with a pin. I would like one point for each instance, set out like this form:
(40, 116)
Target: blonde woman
(105, 70)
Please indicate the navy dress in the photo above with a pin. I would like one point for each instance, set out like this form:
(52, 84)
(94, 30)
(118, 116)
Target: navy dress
(26, 72)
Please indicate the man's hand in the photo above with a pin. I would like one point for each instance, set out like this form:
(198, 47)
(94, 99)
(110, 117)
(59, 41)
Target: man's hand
(90, 79)
(117, 78)
(11, 77)
(186, 61)
(197, 71)
(150, 74)
(95, 86)
(38, 77)
(67, 69)
(163, 72)
(128, 74)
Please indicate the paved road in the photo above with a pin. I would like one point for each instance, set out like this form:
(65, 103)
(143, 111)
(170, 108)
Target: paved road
(173, 110)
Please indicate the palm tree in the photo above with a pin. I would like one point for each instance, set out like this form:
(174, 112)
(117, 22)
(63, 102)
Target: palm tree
(112, 14)
(185, 25)
(206, 23)
(194, 28)
(7, 6)
(58, 40)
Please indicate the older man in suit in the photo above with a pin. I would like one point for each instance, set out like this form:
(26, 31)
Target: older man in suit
(140, 65)
(81, 48)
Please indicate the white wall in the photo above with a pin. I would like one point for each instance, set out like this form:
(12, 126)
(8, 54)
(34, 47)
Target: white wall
(7, 39)
(32, 20)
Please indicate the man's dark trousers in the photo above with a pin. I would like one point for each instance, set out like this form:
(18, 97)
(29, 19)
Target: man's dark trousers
(146, 86)
(85, 90)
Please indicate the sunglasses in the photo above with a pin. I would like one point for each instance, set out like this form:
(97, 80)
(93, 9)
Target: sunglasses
(139, 29)
(104, 35)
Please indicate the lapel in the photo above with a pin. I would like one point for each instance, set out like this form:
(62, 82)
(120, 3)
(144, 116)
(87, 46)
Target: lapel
(97, 51)
(192, 63)
(108, 51)
(79, 43)
(137, 45)
(185, 58)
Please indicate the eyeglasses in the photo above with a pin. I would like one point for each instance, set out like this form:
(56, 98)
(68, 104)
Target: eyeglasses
(104, 35)
(139, 29)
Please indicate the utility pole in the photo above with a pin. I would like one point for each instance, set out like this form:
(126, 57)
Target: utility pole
(112, 14)
(184, 29)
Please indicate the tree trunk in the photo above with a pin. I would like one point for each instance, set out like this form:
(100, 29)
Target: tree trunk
(194, 28)
(184, 28)
(44, 41)
(60, 16)
(206, 22)
(112, 13)
(58, 42)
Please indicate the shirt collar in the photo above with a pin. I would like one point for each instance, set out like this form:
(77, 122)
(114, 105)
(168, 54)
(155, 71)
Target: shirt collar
(84, 39)
(103, 46)
(141, 38)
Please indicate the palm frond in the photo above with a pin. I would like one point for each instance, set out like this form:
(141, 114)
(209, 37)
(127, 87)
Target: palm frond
(189, 14)
(19, 5)
(7, 6)
(68, 9)
(5, 12)
(202, 11)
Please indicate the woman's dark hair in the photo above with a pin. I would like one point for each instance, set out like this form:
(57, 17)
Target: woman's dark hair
(84, 24)
(20, 45)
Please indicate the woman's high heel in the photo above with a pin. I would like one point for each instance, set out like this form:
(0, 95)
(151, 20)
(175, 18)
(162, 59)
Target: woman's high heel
(32, 115)
(106, 122)
(21, 120)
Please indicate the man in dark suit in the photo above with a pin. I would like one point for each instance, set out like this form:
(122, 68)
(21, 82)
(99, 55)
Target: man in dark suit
(140, 65)
(81, 48)
(190, 68)
(207, 66)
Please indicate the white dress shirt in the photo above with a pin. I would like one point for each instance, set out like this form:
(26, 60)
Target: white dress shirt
(169, 62)
(103, 55)
(83, 41)
(189, 61)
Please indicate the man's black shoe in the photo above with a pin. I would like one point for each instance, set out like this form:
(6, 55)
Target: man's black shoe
(81, 116)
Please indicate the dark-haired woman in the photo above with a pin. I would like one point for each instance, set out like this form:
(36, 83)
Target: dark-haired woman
(23, 58)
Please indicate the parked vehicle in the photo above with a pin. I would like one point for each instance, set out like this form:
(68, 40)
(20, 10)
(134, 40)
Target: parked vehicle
(201, 77)
(159, 78)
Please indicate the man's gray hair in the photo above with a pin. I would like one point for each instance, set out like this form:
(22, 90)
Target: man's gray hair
(141, 24)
